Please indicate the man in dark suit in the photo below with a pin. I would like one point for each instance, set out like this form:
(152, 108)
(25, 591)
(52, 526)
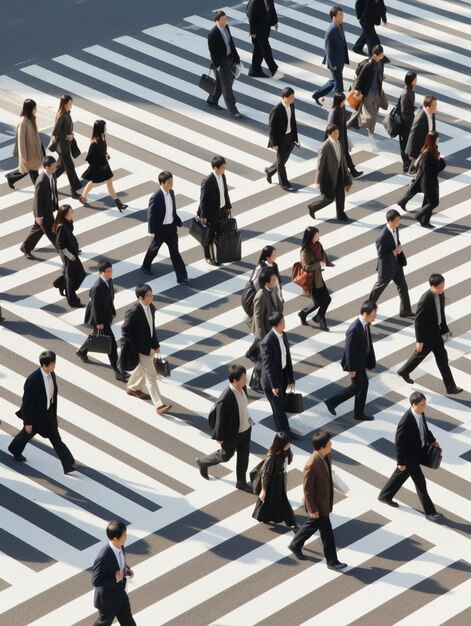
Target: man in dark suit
(266, 302)
(424, 122)
(369, 14)
(109, 575)
(277, 371)
(391, 261)
(358, 356)
(262, 17)
(232, 429)
(336, 55)
(332, 175)
(215, 204)
(413, 438)
(224, 58)
(431, 332)
(162, 223)
(139, 329)
(44, 204)
(282, 137)
(99, 313)
(318, 501)
(39, 413)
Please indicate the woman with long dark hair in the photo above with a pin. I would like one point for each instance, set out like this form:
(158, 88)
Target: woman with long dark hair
(428, 165)
(406, 110)
(338, 116)
(99, 171)
(28, 147)
(313, 256)
(67, 244)
(62, 139)
(267, 258)
(273, 504)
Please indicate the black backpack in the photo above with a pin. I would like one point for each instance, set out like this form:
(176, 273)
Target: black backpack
(248, 295)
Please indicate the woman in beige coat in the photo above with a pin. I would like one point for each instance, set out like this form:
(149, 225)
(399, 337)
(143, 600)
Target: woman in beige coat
(28, 148)
(313, 256)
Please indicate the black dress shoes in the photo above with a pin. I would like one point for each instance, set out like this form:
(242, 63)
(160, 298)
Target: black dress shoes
(433, 517)
(269, 176)
(407, 378)
(243, 486)
(337, 567)
(75, 195)
(203, 470)
(389, 502)
(19, 457)
(258, 74)
(408, 315)
(343, 217)
(72, 468)
(298, 553)
(317, 100)
(330, 408)
(355, 173)
(402, 206)
(455, 391)
(83, 357)
(364, 418)
(184, 281)
(288, 187)
(146, 271)
(302, 317)
(214, 106)
(360, 51)
(27, 254)
(121, 376)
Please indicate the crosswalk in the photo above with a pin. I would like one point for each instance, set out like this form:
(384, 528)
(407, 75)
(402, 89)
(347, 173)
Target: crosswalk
(198, 555)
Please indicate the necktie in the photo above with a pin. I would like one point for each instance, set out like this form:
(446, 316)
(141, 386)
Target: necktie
(122, 561)
(53, 192)
(423, 430)
(368, 338)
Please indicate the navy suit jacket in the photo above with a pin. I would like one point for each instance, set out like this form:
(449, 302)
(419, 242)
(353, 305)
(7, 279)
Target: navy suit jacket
(336, 52)
(33, 410)
(409, 449)
(109, 594)
(387, 262)
(156, 211)
(356, 356)
(272, 374)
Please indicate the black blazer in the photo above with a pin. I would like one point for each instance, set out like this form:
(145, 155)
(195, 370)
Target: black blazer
(429, 173)
(210, 197)
(65, 238)
(371, 11)
(217, 46)
(427, 329)
(100, 309)
(262, 15)
(33, 410)
(367, 74)
(336, 52)
(109, 594)
(387, 261)
(278, 123)
(63, 127)
(406, 109)
(409, 449)
(227, 418)
(43, 206)
(156, 211)
(418, 133)
(272, 374)
(356, 356)
(136, 329)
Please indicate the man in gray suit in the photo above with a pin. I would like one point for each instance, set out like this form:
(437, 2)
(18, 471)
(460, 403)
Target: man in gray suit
(332, 175)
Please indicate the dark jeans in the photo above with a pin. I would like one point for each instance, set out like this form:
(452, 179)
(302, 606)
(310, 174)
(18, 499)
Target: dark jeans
(359, 388)
(282, 157)
(400, 282)
(323, 525)
(278, 406)
(65, 456)
(14, 177)
(113, 355)
(262, 51)
(398, 478)
(323, 200)
(320, 298)
(441, 358)
(335, 83)
(66, 164)
(35, 234)
(368, 36)
(168, 234)
(224, 82)
(227, 451)
(124, 616)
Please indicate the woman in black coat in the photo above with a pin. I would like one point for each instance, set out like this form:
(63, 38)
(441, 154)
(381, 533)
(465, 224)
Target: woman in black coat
(428, 166)
(99, 170)
(406, 110)
(338, 116)
(67, 244)
(62, 138)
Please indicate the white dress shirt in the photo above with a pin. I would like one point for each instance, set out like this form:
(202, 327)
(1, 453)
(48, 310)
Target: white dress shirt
(242, 404)
(337, 148)
(282, 347)
(227, 39)
(430, 120)
(148, 315)
(49, 385)
(393, 232)
(222, 198)
(288, 115)
(168, 219)
(119, 554)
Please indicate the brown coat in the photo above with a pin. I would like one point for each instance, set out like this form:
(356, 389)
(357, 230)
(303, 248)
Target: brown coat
(309, 263)
(30, 154)
(318, 486)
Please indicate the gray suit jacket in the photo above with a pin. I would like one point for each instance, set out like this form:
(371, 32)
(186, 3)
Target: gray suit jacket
(328, 169)
(263, 305)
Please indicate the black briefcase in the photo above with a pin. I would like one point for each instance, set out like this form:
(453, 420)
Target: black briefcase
(434, 457)
(228, 247)
(207, 83)
(227, 225)
(74, 149)
(99, 343)
(199, 230)
(162, 366)
(294, 403)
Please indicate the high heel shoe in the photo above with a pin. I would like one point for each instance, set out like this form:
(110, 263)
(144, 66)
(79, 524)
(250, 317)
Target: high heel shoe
(322, 324)
(83, 200)
(120, 205)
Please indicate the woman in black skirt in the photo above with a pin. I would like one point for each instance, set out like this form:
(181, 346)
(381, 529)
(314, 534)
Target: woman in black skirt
(273, 504)
(99, 171)
(67, 244)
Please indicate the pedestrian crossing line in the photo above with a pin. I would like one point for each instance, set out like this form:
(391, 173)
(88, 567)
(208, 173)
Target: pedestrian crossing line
(13, 571)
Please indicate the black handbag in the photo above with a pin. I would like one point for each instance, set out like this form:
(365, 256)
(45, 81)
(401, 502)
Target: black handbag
(99, 343)
(162, 366)
(227, 225)
(294, 403)
(199, 230)
(247, 297)
(207, 83)
(255, 382)
(53, 145)
(434, 457)
(74, 149)
(401, 259)
(228, 247)
(393, 123)
(256, 477)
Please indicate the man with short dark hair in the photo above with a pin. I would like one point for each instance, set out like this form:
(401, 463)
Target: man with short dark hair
(44, 204)
(318, 501)
(262, 18)
(424, 123)
(162, 220)
(109, 575)
(39, 413)
(233, 428)
(224, 58)
(369, 13)
(358, 356)
(282, 137)
(391, 262)
(413, 439)
(431, 332)
(336, 55)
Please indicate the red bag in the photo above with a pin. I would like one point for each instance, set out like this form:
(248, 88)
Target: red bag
(301, 277)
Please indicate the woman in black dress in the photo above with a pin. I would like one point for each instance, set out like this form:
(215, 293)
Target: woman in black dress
(273, 504)
(62, 139)
(99, 171)
(67, 244)
(338, 116)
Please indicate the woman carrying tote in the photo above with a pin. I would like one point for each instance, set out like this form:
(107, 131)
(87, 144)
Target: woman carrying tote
(67, 244)
(313, 256)
(28, 148)
(62, 141)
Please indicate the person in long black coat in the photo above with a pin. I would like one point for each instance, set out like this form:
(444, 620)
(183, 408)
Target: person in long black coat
(67, 244)
(62, 139)
(338, 117)
(406, 110)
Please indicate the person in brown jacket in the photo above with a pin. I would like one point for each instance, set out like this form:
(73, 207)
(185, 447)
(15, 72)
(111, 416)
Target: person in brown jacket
(318, 500)
(28, 148)
(313, 256)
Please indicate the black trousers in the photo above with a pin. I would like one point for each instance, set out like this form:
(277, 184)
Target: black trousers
(262, 51)
(14, 177)
(65, 163)
(65, 456)
(368, 36)
(323, 525)
(227, 451)
(400, 282)
(35, 234)
(430, 202)
(441, 357)
(282, 157)
(403, 139)
(322, 201)
(359, 388)
(278, 406)
(320, 298)
(398, 478)
(224, 82)
(113, 355)
(124, 616)
(212, 228)
(168, 234)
